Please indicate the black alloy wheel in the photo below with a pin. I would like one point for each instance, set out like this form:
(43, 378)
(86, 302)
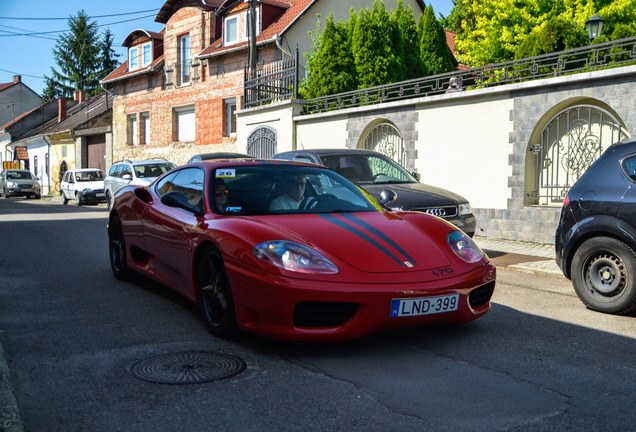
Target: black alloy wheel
(117, 249)
(604, 275)
(215, 295)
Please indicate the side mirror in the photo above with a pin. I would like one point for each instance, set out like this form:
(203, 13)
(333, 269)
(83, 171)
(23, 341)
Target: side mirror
(179, 200)
(127, 177)
(416, 175)
(387, 196)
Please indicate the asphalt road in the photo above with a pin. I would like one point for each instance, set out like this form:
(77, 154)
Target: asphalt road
(538, 361)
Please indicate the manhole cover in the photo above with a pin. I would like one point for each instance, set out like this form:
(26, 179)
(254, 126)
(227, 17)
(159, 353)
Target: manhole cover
(191, 367)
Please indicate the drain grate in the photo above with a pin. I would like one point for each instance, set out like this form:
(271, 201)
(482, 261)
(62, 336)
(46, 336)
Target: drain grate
(192, 367)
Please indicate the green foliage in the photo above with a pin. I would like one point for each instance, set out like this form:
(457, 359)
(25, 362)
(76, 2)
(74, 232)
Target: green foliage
(82, 58)
(374, 48)
(334, 70)
(558, 34)
(494, 31)
(434, 51)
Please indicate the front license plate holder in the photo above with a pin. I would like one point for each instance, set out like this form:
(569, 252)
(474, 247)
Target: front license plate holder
(406, 307)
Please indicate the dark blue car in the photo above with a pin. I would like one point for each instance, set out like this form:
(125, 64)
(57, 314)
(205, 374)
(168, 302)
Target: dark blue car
(596, 237)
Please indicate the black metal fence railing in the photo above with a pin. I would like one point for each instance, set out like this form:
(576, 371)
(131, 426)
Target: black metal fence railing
(600, 56)
(271, 82)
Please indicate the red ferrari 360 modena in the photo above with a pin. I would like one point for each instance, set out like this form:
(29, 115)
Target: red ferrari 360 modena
(296, 252)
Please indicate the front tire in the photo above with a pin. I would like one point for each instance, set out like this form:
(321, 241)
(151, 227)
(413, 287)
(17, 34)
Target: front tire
(79, 199)
(215, 295)
(64, 199)
(109, 200)
(117, 250)
(604, 275)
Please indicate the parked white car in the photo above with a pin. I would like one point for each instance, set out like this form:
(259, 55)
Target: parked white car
(127, 172)
(84, 186)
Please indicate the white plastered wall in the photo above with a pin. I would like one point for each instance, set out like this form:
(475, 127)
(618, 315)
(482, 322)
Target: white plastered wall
(465, 147)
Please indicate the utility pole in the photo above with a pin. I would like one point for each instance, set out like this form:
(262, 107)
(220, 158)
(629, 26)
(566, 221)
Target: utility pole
(252, 33)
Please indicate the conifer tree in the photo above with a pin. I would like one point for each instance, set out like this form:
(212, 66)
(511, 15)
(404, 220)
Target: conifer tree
(372, 48)
(412, 62)
(333, 67)
(434, 51)
(82, 58)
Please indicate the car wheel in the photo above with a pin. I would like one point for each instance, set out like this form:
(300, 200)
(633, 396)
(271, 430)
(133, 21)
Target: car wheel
(604, 275)
(109, 200)
(38, 196)
(117, 250)
(64, 199)
(215, 295)
(79, 199)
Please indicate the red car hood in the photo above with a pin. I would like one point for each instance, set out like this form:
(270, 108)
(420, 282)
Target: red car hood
(373, 242)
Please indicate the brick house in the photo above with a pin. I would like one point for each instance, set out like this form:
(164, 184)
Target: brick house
(176, 94)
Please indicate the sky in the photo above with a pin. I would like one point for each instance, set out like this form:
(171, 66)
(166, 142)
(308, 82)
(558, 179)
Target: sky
(29, 30)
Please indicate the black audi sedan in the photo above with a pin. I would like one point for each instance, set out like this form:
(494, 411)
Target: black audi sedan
(375, 172)
(595, 240)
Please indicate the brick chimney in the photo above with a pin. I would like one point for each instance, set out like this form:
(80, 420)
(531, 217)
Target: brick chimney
(17, 78)
(79, 96)
(61, 105)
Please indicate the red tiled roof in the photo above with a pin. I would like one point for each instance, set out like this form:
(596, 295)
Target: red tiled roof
(122, 70)
(296, 9)
(450, 40)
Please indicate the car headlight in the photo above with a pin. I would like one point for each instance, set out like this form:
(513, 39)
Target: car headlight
(465, 209)
(87, 190)
(294, 257)
(12, 184)
(464, 247)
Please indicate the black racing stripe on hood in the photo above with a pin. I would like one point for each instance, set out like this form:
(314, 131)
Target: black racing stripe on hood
(356, 220)
(334, 220)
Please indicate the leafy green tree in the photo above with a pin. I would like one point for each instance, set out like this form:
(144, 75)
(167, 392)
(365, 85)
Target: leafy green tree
(558, 34)
(82, 58)
(434, 51)
(333, 66)
(492, 31)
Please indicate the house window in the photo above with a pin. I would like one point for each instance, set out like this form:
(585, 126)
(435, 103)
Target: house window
(133, 58)
(230, 117)
(185, 123)
(184, 59)
(231, 30)
(146, 54)
(133, 130)
(46, 163)
(145, 125)
(35, 165)
(247, 23)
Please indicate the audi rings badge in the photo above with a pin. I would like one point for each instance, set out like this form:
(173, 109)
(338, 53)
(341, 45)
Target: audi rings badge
(436, 212)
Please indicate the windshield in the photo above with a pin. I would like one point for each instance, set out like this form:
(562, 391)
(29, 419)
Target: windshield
(271, 189)
(368, 168)
(20, 175)
(86, 176)
(153, 170)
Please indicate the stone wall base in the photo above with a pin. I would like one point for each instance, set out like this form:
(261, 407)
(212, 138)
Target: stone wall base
(532, 224)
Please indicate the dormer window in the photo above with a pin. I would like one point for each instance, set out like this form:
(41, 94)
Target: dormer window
(133, 58)
(231, 30)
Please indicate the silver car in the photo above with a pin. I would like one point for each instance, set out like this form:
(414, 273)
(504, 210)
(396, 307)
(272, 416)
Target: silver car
(17, 182)
(127, 172)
